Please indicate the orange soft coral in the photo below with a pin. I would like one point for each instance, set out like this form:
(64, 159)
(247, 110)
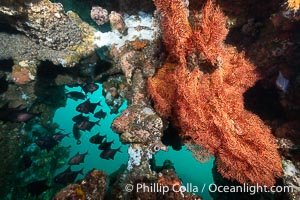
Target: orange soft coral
(175, 26)
(162, 89)
(211, 112)
(293, 4)
(208, 108)
(209, 33)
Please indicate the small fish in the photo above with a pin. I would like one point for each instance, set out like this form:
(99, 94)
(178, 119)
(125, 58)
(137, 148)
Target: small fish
(77, 159)
(67, 176)
(18, 114)
(110, 153)
(80, 118)
(97, 139)
(61, 129)
(19, 108)
(37, 187)
(86, 125)
(90, 87)
(105, 145)
(282, 83)
(100, 114)
(76, 134)
(87, 107)
(76, 95)
(59, 136)
(46, 142)
(23, 116)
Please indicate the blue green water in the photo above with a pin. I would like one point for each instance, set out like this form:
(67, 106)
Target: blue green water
(188, 169)
(63, 117)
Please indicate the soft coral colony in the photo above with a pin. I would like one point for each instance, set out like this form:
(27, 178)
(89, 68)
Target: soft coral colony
(200, 89)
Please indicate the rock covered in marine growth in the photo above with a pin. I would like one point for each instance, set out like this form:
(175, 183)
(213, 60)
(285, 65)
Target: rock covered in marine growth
(117, 22)
(24, 72)
(291, 178)
(138, 124)
(162, 185)
(287, 134)
(99, 15)
(141, 26)
(11, 149)
(56, 36)
(93, 187)
(177, 190)
(114, 90)
(133, 55)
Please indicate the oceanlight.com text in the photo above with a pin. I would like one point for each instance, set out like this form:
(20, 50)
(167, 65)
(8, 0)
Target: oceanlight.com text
(251, 189)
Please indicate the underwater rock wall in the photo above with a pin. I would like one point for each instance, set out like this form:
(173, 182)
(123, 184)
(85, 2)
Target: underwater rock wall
(37, 39)
(51, 33)
(11, 148)
(138, 125)
(93, 186)
(132, 52)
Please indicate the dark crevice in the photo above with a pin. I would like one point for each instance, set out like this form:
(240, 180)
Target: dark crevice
(102, 66)
(255, 9)
(171, 138)
(3, 84)
(48, 71)
(45, 89)
(264, 102)
(6, 28)
(6, 65)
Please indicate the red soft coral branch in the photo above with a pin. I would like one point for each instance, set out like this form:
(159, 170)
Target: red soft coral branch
(209, 107)
(175, 26)
(209, 32)
(162, 89)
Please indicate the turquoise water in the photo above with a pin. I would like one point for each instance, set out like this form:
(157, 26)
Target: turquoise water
(63, 117)
(188, 169)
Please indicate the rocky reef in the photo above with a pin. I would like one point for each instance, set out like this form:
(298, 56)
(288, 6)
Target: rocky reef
(46, 32)
(93, 186)
(11, 149)
(220, 73)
